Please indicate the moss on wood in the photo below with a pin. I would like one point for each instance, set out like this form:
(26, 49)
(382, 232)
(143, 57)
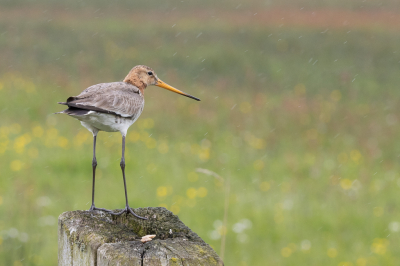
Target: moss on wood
(116, 239)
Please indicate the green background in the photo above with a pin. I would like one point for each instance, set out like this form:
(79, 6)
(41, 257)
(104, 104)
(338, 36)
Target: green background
(299, 116)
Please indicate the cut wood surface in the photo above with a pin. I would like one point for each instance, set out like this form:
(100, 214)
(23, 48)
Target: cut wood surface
(98, 238)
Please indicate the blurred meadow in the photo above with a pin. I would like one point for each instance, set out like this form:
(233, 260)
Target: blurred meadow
(299, 115)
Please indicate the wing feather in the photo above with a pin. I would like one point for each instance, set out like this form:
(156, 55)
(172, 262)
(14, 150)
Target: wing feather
(117, 98)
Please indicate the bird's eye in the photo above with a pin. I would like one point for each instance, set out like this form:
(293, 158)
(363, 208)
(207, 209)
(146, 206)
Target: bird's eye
(150, 73)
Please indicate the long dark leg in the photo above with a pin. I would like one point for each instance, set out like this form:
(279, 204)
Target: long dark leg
(94, 164)
(122, 164)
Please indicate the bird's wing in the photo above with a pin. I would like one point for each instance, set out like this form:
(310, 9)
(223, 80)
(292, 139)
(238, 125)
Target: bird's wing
(117, 98)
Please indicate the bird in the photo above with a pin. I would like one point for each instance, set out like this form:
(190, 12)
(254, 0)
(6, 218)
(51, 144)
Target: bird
(114, 107)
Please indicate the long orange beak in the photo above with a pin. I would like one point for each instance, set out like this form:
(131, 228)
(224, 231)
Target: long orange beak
(164, 85)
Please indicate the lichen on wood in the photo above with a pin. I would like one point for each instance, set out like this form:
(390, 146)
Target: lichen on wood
(98, 238)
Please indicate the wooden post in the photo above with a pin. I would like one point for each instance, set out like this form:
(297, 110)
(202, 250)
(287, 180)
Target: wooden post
(100, 239)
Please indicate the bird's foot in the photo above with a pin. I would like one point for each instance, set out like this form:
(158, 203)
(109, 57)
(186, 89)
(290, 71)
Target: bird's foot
(126, 210)
(129, 210)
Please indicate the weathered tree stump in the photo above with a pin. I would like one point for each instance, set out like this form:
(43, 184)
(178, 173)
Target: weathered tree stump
(98, 238)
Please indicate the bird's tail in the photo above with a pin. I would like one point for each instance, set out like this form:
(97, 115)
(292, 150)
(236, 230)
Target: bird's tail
(62, 112)
(74, 111)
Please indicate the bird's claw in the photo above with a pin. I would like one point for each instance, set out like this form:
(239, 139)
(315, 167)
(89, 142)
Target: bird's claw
(126, 210)
(92, 208)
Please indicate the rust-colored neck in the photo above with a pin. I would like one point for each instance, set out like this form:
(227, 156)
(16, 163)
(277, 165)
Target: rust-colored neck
(134, 80)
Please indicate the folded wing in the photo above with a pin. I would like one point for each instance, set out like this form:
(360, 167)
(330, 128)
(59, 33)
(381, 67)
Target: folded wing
(118, 98)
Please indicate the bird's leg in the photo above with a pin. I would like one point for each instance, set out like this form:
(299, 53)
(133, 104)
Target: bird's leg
(122, 164)
(94, 164)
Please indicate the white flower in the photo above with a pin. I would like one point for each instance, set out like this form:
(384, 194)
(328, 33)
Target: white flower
(394, 227)
(305, 244)
(43, 201)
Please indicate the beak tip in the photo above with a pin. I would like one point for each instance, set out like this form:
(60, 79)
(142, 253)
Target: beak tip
(194, 98)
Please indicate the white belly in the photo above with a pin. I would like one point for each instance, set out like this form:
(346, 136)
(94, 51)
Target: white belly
(95, 121)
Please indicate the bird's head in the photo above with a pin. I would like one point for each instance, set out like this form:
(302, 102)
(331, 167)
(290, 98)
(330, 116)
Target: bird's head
(141, 76)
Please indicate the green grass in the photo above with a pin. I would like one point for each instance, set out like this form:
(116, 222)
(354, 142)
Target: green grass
(306, 129)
